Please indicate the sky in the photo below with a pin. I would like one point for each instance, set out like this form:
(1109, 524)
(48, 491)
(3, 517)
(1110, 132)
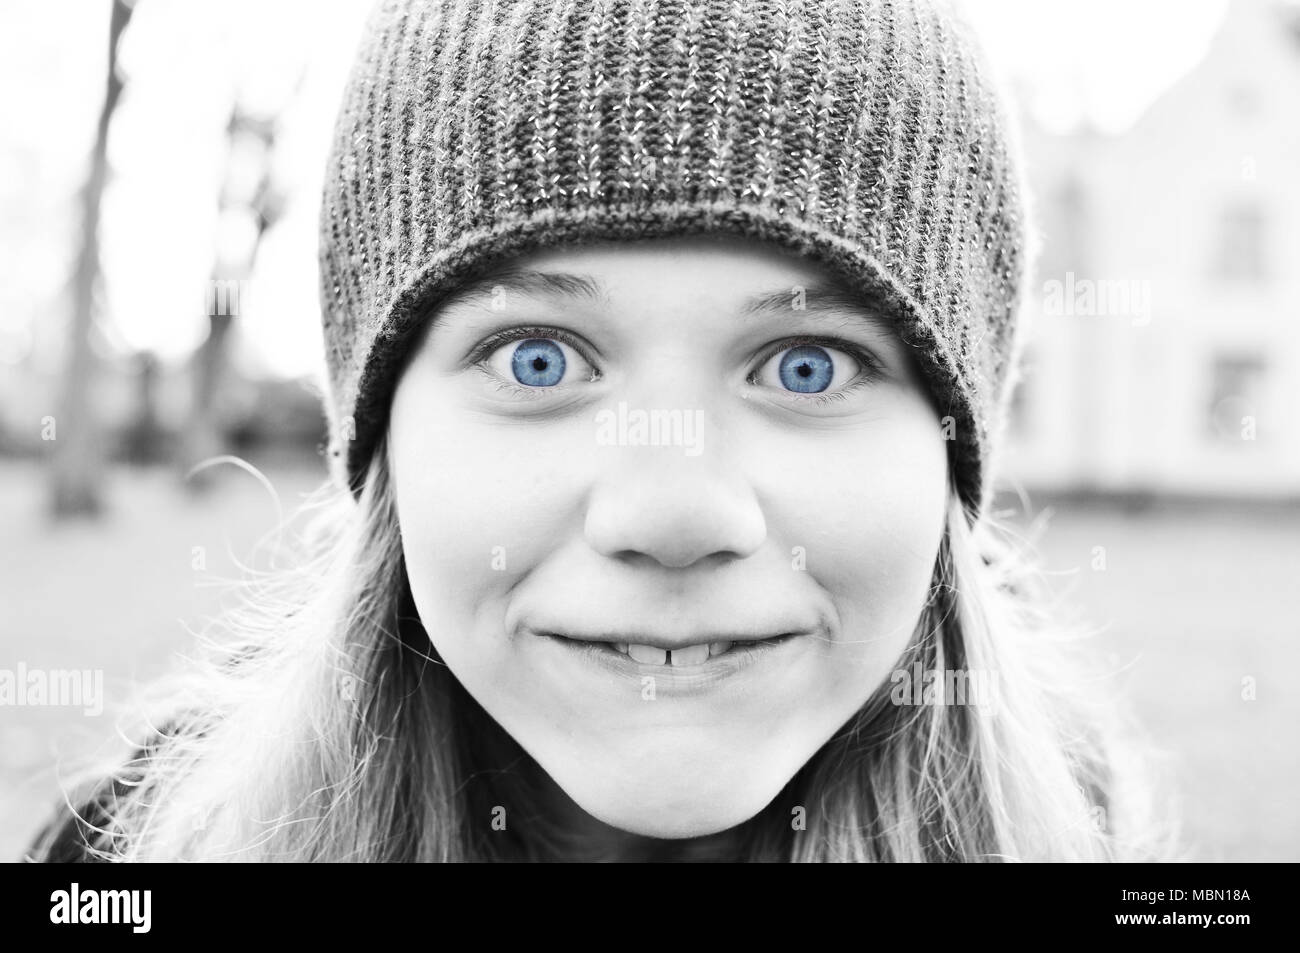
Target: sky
(1099, 61)
(1102, 61)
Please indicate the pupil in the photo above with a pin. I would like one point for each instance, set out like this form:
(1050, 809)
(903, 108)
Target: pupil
(538, 362)
(807, 369)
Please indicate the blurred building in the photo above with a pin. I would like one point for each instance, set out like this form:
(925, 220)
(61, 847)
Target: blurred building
(1164, 352)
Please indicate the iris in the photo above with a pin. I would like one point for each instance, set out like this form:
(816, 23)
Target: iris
(538, 362)
(807, 369)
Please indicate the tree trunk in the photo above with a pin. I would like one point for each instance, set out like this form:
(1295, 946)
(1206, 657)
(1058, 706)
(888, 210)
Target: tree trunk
(204, 435)
(78, 460)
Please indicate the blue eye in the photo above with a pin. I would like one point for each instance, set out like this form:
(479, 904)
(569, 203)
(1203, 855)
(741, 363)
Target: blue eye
(533, 362)
(807, 369)
(810, 370)
(538, 362)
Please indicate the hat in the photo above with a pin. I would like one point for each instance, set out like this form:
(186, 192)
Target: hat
(863, 135)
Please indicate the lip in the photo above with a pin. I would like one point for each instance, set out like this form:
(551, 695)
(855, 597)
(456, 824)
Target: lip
(746, 655)
(669, 644)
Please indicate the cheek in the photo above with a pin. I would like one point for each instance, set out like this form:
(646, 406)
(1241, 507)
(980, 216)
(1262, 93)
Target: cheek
(869, 518)
(478, 503)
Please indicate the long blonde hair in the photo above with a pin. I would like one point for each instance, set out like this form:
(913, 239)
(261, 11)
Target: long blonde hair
(322, 726)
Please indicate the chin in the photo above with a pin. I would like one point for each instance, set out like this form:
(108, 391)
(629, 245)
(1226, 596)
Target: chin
(674, 807)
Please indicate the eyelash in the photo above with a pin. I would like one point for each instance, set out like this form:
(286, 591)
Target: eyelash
(488, 346)
(871, 368)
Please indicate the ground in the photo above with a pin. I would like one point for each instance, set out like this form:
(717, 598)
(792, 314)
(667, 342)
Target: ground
(1193, 602)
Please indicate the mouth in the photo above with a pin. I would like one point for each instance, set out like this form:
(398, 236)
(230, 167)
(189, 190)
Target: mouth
(675, 654)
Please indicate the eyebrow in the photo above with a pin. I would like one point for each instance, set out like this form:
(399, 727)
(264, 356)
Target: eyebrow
(818, 298)
(542, 283)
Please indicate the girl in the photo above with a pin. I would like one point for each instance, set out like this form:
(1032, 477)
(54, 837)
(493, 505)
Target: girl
(669, 343)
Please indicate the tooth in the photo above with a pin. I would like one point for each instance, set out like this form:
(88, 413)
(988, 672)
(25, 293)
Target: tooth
(691, 655)
(717, 648)
(621, 646)
(647, 654)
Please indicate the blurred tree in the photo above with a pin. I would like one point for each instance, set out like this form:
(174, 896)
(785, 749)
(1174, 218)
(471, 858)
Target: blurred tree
(78, 446)
(251, 193)
(145, 440)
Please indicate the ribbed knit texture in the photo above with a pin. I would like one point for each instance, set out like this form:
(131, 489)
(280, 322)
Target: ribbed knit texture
(859, 133)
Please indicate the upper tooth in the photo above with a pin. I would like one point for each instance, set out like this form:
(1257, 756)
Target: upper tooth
(621, 646)
(691, 655)
(717, 648)
(647, 654)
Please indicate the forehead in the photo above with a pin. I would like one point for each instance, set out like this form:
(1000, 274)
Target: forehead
(708, 255)
(748, 278)
(695, 262)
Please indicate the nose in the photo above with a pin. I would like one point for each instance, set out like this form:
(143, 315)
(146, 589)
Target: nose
(676, 509)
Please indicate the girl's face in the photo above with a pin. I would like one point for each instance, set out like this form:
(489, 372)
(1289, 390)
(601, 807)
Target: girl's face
(669, 511)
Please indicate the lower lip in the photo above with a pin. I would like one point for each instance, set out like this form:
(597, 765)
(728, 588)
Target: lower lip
(679, 679)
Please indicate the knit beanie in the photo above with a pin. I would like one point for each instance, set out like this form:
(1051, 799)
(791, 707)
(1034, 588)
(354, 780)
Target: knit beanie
(863, 135)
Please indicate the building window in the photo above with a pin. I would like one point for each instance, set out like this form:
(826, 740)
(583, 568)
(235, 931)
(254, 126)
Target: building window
(1243, 101)
(1236, 393)
(1018, 422)
(1240, 245)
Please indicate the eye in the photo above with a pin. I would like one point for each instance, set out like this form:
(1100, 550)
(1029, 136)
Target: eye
(811, 368)
(533, 358)
(538, 362)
